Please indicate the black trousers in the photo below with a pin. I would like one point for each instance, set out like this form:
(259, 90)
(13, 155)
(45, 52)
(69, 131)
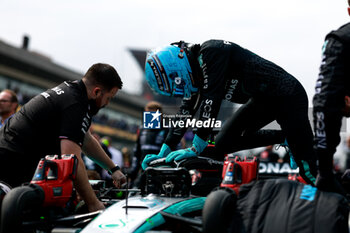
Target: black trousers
(243, 129)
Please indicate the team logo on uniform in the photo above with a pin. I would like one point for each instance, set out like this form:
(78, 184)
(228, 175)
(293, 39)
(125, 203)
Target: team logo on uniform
(151, 120)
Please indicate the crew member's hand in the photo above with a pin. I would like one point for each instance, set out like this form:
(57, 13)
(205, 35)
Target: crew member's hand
(97, 205)
(164, 151)
(118, 178)
(329, 184)
(198, 145)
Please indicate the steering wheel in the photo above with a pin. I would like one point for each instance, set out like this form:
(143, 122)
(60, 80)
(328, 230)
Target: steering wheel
(198, 162)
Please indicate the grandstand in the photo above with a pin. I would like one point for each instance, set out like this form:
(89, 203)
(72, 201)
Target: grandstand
(29, 73)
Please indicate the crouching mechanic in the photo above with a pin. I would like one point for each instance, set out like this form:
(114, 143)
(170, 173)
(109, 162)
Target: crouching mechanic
(217, 70)
(57, 121)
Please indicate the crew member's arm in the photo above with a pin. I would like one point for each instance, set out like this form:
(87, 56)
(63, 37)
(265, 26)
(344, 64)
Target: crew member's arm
(92, 148)
(328, 103)
(81, 183)
(214, 62)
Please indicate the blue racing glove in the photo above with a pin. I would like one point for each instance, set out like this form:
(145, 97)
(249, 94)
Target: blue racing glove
(164, 151)
(198, 145)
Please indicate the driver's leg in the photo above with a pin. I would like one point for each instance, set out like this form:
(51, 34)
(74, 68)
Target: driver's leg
(294, 121)
(241, 131)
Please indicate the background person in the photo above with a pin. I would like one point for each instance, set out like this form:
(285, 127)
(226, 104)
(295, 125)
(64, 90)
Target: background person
(115, 154)
(331, 103)
(57, 121)
(126, 158)
(268, 155)
(149, 141)
(220, 70)
(8, 105)
(91, 164)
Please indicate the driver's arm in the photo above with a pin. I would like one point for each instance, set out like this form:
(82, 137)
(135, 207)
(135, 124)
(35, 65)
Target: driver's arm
(92, 148)
(188, 107)
(81, 183)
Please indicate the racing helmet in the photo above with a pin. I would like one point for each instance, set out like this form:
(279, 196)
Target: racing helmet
(168, 71)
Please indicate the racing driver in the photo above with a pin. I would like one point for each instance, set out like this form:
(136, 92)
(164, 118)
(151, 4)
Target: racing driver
(57, 121)
(217, 70)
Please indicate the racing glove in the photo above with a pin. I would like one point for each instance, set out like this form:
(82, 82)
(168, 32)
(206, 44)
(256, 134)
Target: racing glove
(164, 151)
(198, 145)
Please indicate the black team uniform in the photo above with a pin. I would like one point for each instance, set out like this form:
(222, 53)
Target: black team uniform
(333, 84)
(36, 130)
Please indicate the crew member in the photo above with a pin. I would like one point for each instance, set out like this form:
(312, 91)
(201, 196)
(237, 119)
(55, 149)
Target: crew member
(331, 103)
(57, 121)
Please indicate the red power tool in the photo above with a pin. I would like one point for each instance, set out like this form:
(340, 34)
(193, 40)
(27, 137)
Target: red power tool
(55, 176)
(237, 172)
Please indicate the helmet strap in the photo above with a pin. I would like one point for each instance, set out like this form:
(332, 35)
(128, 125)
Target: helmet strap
(192, 54)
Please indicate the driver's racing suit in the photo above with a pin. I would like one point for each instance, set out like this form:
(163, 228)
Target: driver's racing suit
(333, 84)
(267, 92)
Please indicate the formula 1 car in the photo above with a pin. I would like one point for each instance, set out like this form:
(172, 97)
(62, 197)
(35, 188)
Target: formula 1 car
(172, 198)
(265, 204)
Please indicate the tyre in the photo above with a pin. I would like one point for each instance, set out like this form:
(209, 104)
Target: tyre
(219, 211)
(4, 189)
(18, 201)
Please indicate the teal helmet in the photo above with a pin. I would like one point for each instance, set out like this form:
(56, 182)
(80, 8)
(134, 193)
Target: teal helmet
(168, 71)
